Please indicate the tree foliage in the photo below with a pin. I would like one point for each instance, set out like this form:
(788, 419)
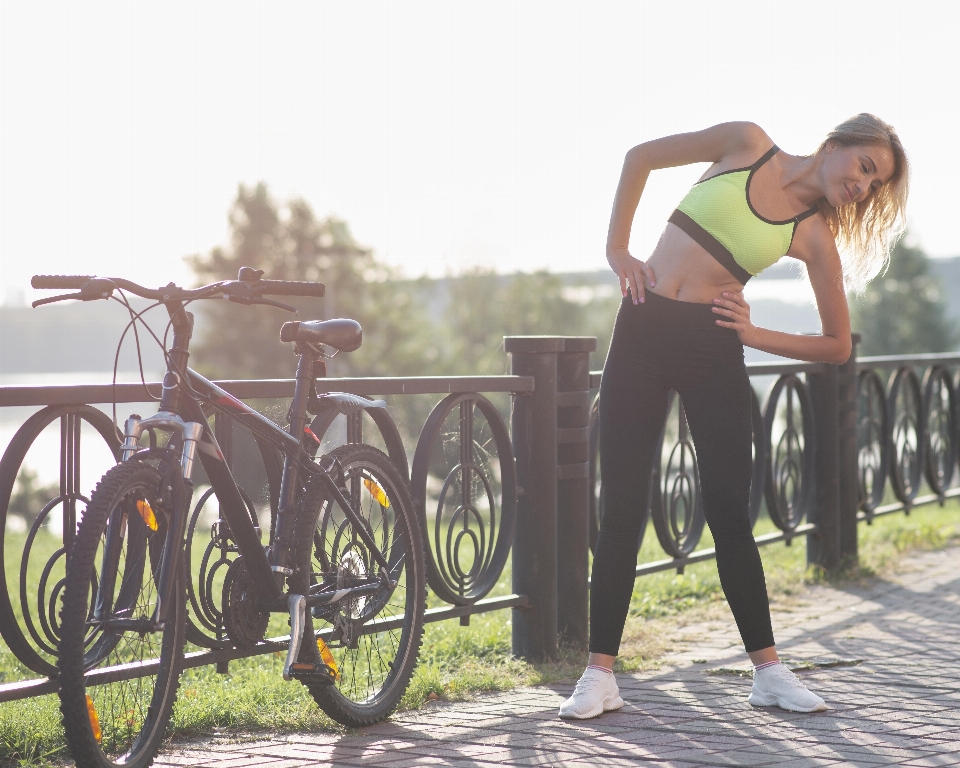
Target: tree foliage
(30, 496)
(903, 311)
(289, 243)
(483, 307)
(453, 326)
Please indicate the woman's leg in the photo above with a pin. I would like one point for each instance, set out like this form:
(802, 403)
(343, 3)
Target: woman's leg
(719, 413)
(718, 410)
(633, 404)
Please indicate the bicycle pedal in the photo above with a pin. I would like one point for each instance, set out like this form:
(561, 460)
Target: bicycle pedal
(313, 673)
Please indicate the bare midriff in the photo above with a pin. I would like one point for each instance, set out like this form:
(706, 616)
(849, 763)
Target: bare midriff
(686, 272)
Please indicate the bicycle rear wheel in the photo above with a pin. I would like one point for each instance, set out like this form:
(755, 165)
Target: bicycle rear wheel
(375, 638)
(118, 674)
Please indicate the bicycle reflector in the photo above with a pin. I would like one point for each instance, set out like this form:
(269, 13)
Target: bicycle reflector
(377, 492)
(146, 512)
(327, 657)
(95, 720)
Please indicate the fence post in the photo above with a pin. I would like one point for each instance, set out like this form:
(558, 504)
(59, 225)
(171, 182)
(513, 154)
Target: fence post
(573, 489)
(534, 428)
(849, 468)
(823, 547)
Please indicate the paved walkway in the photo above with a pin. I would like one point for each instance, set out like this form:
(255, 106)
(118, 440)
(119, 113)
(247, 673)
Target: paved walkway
(900, 706)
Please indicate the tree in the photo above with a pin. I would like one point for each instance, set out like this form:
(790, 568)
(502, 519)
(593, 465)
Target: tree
(903, 311)
(483, 307)
(30, 496)
(289, 243)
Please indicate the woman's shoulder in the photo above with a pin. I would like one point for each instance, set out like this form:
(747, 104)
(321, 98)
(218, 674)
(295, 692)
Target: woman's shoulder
(736, 144)
(813, 240)
(747, 137)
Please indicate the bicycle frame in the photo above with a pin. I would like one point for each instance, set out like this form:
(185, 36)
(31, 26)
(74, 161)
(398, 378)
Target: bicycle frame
(180, 411)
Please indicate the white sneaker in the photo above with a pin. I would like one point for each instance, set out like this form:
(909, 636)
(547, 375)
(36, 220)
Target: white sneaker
(596, 693)
(777, 685)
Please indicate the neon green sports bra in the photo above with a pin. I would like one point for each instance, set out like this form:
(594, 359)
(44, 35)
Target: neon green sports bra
(718, 215)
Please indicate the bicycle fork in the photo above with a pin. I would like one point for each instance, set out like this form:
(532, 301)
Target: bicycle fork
(170, 561)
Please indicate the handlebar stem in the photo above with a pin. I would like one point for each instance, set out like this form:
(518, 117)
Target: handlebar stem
(177, 357)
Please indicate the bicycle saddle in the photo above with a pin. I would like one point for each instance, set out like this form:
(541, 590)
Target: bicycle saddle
(342, 334)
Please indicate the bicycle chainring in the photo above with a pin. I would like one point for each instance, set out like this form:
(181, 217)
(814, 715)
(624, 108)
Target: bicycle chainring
(243, 619)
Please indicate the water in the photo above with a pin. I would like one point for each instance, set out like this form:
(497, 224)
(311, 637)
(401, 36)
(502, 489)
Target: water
(43, 457)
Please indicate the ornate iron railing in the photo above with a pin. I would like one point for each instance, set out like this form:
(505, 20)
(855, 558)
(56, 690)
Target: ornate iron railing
(833, 445)
(907, 437)
(908, 432)
(463, 483)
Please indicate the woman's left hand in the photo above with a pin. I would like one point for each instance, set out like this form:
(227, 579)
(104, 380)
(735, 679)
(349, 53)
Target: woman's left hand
(733, 306)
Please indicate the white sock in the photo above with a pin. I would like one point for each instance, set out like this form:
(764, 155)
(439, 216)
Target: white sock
(758, 667)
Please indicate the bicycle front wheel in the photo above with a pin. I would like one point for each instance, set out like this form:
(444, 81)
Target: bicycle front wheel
(375, 637)
(118, 672)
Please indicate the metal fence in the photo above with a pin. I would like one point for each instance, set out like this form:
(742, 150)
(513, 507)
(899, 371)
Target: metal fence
(833, 445)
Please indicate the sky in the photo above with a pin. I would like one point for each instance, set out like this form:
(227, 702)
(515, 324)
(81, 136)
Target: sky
(448, 134)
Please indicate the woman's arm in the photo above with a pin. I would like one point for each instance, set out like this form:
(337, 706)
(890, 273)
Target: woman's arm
(711, 145)
(818, 251)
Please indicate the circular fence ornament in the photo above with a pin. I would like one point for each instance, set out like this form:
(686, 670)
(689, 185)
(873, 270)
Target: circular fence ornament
(788, 422)
(677, 504)
(34, 632)
(940, 428)
(905, 411)
(873, 441)
(207, 562)
(468, 530)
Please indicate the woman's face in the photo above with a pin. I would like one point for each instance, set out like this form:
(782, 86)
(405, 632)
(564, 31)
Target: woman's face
(851, 173)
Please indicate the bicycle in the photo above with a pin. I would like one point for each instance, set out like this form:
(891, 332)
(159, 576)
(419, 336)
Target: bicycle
(346, 550)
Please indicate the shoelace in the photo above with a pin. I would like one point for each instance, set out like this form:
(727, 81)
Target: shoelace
(788, 677)
(586, 684)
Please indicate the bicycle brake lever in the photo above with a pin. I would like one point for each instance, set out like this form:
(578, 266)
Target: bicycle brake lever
(65, 297)
(260, 300)
(52, 299)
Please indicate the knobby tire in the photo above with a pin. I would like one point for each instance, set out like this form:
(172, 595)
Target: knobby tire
(122, 703)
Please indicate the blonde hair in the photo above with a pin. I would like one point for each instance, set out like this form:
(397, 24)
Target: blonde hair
(867, 230)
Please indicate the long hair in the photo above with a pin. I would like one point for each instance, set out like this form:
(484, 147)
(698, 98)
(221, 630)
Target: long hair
(867, 230)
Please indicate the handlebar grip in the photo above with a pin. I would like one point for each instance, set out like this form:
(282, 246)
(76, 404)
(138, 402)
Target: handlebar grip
(290, 288)
(60, 281)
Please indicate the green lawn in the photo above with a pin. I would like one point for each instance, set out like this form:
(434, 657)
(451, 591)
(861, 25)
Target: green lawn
(456, 661)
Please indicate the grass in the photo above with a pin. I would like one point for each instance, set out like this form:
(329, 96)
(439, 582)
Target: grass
(458, 662)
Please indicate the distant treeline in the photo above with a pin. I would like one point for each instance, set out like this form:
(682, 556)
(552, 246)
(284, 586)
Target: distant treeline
(426, 326)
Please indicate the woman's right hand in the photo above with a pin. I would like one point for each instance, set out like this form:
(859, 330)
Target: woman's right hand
(633, 273)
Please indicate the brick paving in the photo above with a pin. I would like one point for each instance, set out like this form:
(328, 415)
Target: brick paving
(900, 706)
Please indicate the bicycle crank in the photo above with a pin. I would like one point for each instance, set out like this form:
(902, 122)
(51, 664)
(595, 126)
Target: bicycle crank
(243, 619)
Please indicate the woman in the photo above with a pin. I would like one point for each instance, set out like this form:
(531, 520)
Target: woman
(683, 324)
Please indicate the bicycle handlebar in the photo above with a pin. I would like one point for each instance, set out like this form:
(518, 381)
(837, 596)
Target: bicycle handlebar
(249, 289)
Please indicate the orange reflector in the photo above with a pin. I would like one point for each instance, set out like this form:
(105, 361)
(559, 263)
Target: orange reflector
(377, 492)
(327, 657)
(94, 720)
(146, 512)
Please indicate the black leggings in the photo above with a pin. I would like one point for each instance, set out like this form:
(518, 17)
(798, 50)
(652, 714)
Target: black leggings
(657, 346)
